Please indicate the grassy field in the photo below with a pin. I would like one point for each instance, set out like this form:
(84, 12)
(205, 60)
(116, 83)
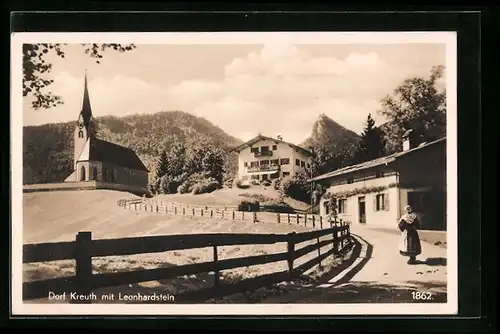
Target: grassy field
(59, 215)
(233, 196)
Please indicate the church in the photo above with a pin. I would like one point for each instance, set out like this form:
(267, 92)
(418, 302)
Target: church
(101, 163)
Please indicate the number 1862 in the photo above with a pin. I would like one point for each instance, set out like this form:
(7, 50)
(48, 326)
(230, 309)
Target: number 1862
(421, 295)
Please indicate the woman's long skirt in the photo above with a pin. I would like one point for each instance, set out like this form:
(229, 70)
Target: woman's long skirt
(410, 243)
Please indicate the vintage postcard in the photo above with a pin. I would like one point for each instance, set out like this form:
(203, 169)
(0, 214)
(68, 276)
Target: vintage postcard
(234, 173)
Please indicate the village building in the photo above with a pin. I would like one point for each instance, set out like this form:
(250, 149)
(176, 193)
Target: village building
(375, 192)
(265, 158)
(101, 163)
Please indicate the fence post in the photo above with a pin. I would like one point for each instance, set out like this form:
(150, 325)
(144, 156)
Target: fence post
(321, 222)
(83, 273)
(255, 217)
(157, 209)
(211, 213)
(314, 222)
(193, 212)
(319, 253)
(175, 211)
(216, 271)
(335, 240)
(202, 211)
(288, 218)
(234, 215)
(278, 217)
(305, 219)
(183, 210)
(242, 215)
(166, 209)
(291, 254)
(222, 216)
(135, 206)
(297, 218)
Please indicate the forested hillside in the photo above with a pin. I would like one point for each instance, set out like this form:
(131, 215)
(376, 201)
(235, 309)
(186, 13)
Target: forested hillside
(48, 149)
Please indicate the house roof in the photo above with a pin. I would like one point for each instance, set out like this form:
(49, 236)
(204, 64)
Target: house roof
(101, 150)
(375, 162)
(259, 137)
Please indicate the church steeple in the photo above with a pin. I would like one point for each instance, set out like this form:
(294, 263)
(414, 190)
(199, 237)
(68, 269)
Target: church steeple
(86, 111)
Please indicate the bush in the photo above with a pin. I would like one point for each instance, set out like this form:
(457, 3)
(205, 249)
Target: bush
(265, 183)
(277, 184)
(240, 185)
(206, 186)
(295, 187)
(249, 205)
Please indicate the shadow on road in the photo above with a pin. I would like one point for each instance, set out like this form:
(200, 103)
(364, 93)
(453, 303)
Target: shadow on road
(434, 261)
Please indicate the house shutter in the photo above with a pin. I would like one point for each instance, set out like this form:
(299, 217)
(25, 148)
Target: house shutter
(386, 202)
(345, 205)
(375, 202)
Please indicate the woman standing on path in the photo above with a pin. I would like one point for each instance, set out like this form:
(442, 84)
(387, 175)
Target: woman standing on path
(410, 243)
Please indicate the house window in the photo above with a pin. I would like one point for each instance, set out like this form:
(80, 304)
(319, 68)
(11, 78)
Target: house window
(297, 162)
(264, 149)
(264, 162)
(381, 202)
(327, 208)
(94, 173)
(255, 177)
(254, 164)
(302, 163)
(264, 177)
(342, 205)
(275, 175)
(285, 161)
(80, 134)
(275, 147)
(245, 164)
(254, 149)
(275, 162)
(285, 174)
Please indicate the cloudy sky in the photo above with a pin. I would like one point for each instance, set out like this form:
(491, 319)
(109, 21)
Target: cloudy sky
(244, 89)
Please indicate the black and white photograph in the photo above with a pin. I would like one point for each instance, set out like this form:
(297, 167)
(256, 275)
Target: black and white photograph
(234, 173)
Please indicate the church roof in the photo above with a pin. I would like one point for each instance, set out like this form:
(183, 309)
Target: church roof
(100, 150)
(86, 112)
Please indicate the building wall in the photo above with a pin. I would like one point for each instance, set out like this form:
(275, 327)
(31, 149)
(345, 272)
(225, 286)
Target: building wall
(284, 150)
(424, 172)
(386, 217)
(122, 175)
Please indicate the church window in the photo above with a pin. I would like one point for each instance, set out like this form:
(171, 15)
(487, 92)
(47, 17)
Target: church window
(82, 173)
(94, 173)
(80, 134)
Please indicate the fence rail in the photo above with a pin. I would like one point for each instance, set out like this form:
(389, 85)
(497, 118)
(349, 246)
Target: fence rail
(229, 213)
(84, 248)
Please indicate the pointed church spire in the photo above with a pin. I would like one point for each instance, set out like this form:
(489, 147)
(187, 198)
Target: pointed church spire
(86, 112)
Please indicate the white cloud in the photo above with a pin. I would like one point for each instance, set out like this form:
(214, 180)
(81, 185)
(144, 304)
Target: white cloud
(281, 89)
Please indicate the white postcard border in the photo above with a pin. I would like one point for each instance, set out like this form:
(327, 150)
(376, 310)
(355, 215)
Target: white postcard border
(448, 38)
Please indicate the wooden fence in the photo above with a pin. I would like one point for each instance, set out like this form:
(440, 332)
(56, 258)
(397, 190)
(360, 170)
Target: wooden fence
(230, 213)
(84, 248)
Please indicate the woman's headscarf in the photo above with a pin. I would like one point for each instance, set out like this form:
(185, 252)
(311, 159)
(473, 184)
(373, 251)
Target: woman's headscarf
(409, 216)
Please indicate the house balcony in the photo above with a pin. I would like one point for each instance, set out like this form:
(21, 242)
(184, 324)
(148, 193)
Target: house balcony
(263, 154)
(264, 168)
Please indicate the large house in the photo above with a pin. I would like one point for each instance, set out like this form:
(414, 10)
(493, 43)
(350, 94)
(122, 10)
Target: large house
(266, 158)
(104, 164)
(375, 192)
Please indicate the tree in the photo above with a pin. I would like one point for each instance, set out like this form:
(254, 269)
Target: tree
(36, 66)
(416, 104)
(371, 144)
(160, 171)
(213, 163)
(177, 158)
